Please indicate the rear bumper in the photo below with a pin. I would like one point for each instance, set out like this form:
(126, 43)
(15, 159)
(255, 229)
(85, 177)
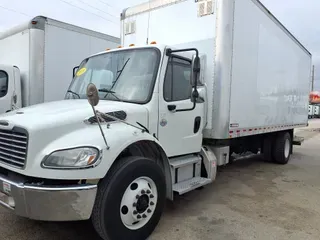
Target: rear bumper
(48, 203)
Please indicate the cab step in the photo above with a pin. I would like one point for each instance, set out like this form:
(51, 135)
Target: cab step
(190, 184)
(182, 161)
(186, 173)
(185, 167)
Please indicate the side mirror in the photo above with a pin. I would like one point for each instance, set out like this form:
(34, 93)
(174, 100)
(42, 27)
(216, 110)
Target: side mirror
(195, 66)
(92, 94)
(93, 99)
(75, 71)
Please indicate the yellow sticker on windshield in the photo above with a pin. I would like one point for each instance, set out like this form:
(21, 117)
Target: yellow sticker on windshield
(81, 71)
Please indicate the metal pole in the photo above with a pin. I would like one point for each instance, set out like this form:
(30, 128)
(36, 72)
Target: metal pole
(312, 80)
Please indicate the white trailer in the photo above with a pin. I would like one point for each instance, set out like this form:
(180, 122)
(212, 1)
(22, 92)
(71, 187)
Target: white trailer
(37, 58)
(313, 111)
(310, 111)
(316, 111)
(224, 77)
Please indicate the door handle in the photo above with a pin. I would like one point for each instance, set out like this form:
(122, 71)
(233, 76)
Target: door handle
(172, 108)
(197, 123)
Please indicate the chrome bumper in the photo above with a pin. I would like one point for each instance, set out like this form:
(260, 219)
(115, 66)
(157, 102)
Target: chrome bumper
(49, 203)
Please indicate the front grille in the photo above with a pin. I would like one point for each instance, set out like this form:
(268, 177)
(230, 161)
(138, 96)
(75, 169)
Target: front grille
(13, 146)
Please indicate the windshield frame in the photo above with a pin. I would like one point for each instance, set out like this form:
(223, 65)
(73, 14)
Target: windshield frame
(154, 77)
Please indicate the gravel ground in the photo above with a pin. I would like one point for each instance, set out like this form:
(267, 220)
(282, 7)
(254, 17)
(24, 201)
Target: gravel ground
(250, 199)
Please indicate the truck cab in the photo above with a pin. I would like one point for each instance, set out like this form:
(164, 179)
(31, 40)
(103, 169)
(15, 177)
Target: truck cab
(156, 79)
(10, 88)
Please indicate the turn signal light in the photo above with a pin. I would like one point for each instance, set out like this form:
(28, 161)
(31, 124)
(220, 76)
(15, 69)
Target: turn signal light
(153, 42)
(131, 45)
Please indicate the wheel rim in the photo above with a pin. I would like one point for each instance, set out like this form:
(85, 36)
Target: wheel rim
(287, 148)
(138, 203)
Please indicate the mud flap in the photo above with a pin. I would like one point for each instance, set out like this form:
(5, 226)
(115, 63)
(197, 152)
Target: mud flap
(297, 140)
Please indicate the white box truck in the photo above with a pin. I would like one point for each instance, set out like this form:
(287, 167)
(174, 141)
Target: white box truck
(224, 77)
(37, 58)
(313, 111)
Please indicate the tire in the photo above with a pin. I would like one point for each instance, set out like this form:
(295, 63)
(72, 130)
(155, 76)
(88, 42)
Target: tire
(282, 148)
(267, 148)
(117, 201)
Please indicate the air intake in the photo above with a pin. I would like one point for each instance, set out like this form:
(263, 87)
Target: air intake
(118, 114)
(13, 147)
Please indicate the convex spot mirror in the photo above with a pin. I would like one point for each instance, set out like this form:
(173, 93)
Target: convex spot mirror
(92, 94)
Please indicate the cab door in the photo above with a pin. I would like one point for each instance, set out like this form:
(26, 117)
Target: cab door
(6, 87)
(180, 123)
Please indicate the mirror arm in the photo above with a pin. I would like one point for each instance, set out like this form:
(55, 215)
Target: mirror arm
(74, 70)
(187, 109)
(195, 93)
(169, 52)
(99, 124)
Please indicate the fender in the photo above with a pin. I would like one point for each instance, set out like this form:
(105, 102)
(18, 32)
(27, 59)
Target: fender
(118, 135)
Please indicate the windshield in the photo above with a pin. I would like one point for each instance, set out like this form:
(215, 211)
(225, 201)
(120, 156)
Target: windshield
(129, 74)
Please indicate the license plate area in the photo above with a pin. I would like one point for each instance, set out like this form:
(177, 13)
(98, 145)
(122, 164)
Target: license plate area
(5, 198)
(6, 187)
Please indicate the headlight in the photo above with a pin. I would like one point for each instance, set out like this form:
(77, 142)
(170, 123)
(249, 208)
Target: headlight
(72, 158)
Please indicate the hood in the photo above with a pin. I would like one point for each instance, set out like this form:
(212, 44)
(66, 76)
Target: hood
(70, 112)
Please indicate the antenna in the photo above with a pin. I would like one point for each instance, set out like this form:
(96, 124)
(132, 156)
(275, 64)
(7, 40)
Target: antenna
(147, 42)
(312, 79)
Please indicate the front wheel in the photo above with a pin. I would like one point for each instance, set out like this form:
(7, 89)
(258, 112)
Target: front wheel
(130, 200)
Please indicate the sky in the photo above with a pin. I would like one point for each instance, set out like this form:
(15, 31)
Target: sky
(301, 17)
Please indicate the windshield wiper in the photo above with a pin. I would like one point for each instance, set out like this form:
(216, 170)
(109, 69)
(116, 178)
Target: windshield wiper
(120, 71)
(74, 93)
(109, 91)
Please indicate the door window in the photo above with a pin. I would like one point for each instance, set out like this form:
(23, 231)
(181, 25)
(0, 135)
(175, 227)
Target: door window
(177, 80)
(3, 83)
